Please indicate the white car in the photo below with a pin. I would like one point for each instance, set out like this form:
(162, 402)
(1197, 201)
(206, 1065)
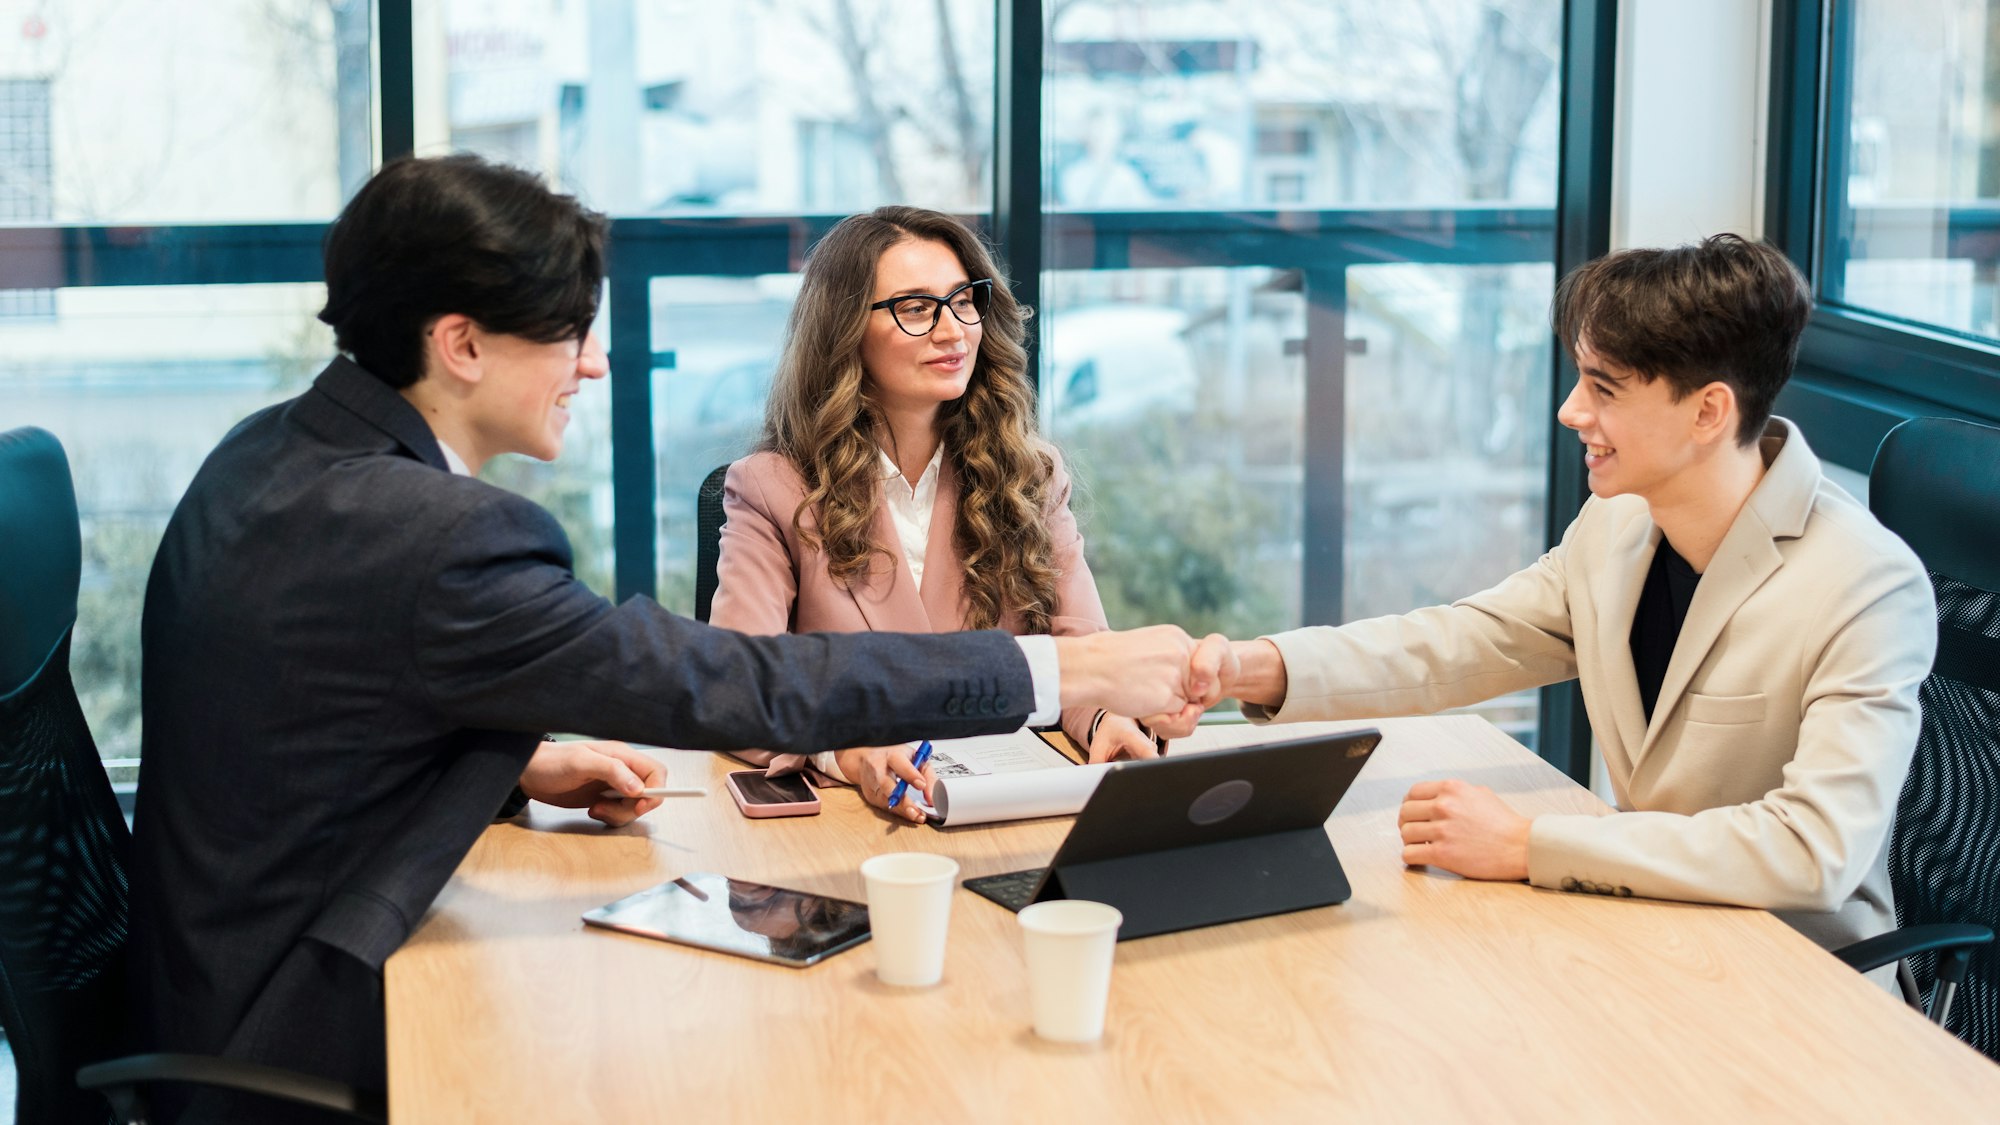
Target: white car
(1114, 362)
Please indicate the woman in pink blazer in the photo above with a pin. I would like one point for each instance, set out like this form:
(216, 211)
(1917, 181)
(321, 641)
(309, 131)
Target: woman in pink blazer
(900, 483)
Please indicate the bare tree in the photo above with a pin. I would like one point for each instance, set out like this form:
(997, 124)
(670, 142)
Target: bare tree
(884, 71)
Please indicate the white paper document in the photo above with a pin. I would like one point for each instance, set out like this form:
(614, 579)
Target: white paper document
(1017, 752)
(1005, 777)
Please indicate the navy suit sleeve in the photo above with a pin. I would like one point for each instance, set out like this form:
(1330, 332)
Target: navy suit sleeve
(505, 637)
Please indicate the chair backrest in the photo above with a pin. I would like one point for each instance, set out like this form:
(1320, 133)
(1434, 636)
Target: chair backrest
(707, 539)
(64, 848)
(41, 554)
(1936, 483)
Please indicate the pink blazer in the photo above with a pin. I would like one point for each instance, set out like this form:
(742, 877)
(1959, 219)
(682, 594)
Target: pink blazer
(768, 582)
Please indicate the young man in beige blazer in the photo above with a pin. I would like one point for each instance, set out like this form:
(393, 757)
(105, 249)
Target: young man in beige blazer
(1749, 639)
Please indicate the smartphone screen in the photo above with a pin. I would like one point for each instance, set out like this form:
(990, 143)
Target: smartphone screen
(758, 789)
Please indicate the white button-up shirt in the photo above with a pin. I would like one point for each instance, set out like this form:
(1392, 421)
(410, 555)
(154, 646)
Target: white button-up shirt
(910, 507)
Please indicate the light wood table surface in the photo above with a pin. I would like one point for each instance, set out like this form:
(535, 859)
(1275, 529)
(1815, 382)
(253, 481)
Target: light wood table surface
(1422, 998)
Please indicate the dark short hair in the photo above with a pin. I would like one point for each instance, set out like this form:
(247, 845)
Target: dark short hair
(1725, 308)
(425, 238)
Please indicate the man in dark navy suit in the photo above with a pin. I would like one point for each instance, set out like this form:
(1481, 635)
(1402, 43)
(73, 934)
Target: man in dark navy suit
(352, 646)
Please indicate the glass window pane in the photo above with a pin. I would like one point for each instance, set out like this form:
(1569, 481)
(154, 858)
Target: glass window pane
(139, 384)
(1269, 435)
(1447, 438)
(688, 106)
(1280, 103)
(1448, 430)
(1177, 397)
(1914, 215)
(223, 111)
(715, 345)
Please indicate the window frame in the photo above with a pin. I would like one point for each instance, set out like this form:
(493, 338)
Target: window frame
(54, 256)
(1859, 373)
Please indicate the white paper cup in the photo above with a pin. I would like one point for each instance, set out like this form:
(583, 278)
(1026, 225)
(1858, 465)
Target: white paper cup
(1070, 947)
(909, 910)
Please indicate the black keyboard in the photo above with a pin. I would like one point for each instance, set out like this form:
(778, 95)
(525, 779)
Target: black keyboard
(1011, 889)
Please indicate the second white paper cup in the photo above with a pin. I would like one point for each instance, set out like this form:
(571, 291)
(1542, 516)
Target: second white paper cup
(1070, 947)
(909, 912)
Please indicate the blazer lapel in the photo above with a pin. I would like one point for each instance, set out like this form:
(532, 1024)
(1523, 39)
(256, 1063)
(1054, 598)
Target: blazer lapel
(1777, 509)
(888, 599)
(944, 579)
(1625, 580)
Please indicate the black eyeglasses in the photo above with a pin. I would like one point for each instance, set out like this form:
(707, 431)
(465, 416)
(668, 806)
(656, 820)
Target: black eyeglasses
(917, 313)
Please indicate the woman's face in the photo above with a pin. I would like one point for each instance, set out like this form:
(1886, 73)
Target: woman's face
(908, 372)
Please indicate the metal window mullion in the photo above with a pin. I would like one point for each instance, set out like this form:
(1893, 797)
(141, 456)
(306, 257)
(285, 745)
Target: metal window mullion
(1583, 232)
(1797, 50)
(1836, 218)
(396, 78)
(634, 476)
(1017, 155)
(1323, 569)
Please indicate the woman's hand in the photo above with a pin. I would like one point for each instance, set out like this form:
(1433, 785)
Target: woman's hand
(875, 770)
(1120, 737)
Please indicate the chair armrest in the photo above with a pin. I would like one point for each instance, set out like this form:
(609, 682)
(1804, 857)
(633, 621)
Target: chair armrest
(234, 1074)
(1875, 952)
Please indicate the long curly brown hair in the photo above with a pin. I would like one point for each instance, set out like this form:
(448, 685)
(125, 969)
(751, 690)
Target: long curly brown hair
(823, 418)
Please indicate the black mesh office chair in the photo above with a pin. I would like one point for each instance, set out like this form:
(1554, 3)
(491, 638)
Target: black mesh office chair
(64, 847)
(707, 540)
(1936, 483)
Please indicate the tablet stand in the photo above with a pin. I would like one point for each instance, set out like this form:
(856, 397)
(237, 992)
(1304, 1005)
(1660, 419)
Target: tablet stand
(1204, 884)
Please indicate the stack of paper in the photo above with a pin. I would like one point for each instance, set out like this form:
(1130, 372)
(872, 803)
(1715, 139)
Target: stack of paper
(1005, 777)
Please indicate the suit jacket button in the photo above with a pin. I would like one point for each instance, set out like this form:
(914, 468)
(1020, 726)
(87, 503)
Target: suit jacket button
(1000, 704)
(1569, 884)
(1624, 892)
(986, 705)
(951, 706)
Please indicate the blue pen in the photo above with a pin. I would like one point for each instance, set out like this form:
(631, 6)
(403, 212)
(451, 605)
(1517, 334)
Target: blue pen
(903, 784)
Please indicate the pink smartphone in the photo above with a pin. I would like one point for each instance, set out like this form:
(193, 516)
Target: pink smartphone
(758, 795)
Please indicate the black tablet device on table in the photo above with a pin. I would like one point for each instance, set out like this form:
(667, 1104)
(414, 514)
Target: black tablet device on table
(1199, 839)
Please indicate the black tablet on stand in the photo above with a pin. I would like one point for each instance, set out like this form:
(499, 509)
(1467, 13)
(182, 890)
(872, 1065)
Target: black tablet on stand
(1199, 839)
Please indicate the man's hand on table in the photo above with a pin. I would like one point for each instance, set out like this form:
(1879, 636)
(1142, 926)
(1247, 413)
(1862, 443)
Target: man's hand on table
(1465, 829)
(574, 775)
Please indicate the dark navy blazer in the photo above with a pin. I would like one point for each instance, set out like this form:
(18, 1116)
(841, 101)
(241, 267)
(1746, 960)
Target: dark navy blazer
(349, 654)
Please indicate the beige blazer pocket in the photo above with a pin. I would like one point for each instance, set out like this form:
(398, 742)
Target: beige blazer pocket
(1725, 709)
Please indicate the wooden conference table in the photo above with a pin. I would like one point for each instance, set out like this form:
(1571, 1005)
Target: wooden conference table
(1422, 997)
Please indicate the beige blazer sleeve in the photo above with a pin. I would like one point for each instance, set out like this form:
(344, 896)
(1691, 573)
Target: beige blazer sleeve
(1513, 636)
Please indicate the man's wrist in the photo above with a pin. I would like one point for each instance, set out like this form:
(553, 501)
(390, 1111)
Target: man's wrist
(1526, 844)
(513, 805)
(1081, 679)
(1261, 677)
(519, 798)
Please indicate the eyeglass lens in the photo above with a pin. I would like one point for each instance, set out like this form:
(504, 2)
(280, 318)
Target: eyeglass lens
(919, 315)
